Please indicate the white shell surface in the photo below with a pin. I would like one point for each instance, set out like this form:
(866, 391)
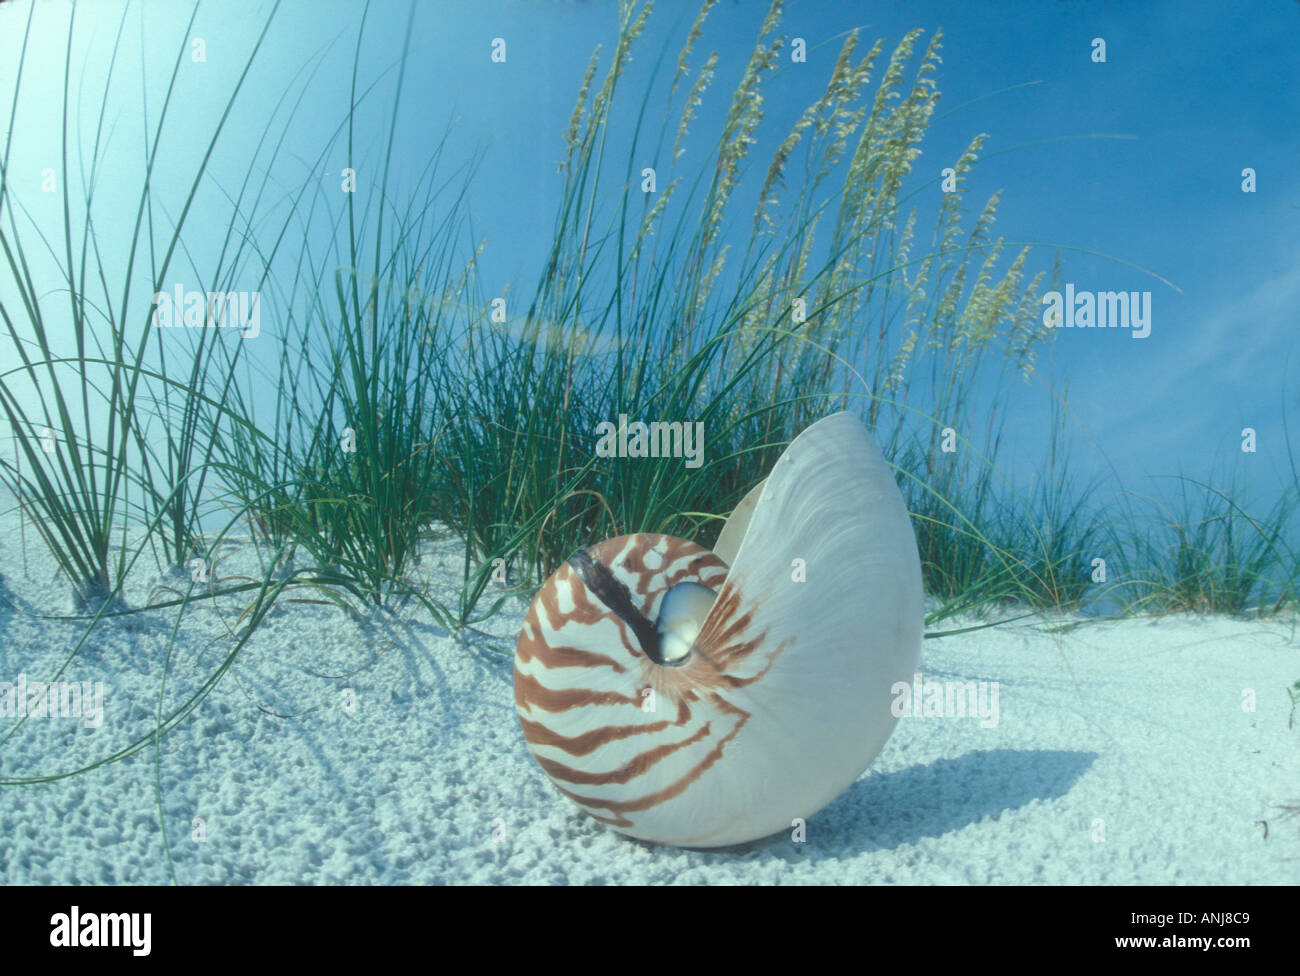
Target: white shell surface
(784, 698)
(733, 530)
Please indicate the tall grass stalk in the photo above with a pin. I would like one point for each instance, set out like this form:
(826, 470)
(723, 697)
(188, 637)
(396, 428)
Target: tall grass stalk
(85, 445)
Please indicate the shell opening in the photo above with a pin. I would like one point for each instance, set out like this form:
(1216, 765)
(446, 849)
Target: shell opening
(681, 615)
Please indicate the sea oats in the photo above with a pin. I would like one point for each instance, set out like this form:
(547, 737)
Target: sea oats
(571, 136)
(697, 29)
(694, 100)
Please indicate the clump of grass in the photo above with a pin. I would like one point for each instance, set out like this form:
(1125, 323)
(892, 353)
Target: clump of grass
(1046, 542)
(87, 458)
(345, 471)
(1051, 548)
(1202, 552)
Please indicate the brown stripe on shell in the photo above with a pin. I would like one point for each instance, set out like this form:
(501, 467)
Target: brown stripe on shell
(563, 655)
(588, 742)
(673, 789)
(698, 569)
(618, 820)
(631, 559)
(630, 770)
(587, 610)
(735, 680)
(725, 622)
(675, 549)
(531, 693)
(718, 643)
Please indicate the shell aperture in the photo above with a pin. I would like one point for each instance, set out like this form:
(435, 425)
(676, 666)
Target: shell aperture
(762, 689)
(682, 613)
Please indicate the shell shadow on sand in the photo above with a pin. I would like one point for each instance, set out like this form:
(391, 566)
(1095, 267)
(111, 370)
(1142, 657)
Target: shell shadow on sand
(882, 811)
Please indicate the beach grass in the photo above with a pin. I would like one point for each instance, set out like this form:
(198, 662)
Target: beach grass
(407, 400)
(1199, 550)
(104, 435)
(645, 311)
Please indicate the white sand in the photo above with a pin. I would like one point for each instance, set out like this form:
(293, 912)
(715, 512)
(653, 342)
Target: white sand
(1122, 755)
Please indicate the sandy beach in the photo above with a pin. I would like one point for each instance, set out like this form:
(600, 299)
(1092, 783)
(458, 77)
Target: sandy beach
(374, 748)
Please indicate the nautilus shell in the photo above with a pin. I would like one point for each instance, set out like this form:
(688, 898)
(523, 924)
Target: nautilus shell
(702, 698)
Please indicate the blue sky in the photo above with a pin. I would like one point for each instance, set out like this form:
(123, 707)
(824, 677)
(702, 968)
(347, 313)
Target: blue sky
(1196, 92)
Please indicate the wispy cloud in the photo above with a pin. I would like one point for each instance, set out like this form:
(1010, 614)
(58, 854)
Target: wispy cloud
(1238, 336)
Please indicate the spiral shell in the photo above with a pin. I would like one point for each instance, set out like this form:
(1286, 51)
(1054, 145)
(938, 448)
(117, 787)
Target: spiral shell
(683, 718)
